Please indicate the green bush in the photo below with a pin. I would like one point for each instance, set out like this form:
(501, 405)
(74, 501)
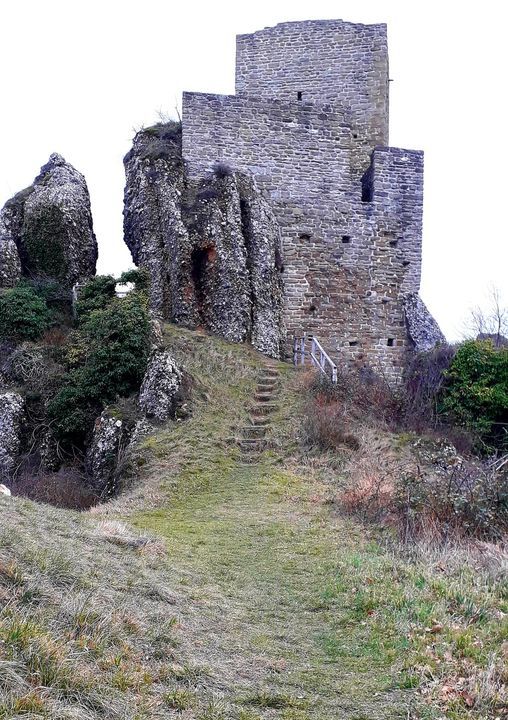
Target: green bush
(95, 295)
(475, 394)
(138, 276)
(107, 359)
(23, 314)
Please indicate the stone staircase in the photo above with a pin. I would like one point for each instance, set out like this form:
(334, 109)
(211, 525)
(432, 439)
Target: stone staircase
(253, 437)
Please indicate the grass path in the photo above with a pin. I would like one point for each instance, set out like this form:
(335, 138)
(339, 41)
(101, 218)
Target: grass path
(281, 618)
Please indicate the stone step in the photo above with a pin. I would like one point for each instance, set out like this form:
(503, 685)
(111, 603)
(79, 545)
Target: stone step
(264, 408)
(253, 431)
(269, 375)
(260, 420)
(263, 397)
(249, 446)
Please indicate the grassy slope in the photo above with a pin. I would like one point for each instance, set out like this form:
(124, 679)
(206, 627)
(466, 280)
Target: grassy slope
(265, 602)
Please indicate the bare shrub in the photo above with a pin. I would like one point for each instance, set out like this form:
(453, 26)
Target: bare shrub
(362, 393)
(66, 488)
(461, 499)
(433, 494)
(327, 428)
(423, 380)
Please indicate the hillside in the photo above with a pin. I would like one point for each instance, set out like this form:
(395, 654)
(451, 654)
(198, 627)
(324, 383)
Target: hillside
(217, 587)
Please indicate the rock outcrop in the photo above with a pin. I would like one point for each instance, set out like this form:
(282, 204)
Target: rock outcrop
(110, 437)
(46, 230)
(423, 330)
(212, 250)
(11, 415)
(160, 387)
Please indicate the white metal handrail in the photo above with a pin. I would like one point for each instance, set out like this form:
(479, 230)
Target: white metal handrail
(317, 354)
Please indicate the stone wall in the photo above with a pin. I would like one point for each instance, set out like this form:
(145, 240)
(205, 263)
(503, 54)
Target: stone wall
(345, 64)
(351, 249)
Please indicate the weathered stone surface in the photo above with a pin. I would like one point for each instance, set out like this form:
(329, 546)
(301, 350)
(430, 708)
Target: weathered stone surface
(109, 438)
(422, 329)
(48, 449)
(153, 226)
(11, 415)
(212, 248)
(4, 490)
(50, 226)
(160, 386)
(10, 265)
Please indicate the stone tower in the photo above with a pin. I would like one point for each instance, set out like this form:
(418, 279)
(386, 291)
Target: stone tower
(310, 122)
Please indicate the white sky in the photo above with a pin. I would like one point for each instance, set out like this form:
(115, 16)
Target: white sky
(79, 76)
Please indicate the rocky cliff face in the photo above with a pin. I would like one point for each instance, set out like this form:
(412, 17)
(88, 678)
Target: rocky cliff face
(46, 230)
(212, 250)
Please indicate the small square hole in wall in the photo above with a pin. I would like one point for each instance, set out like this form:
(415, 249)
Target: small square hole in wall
(299, 95)
(405, 263)
(355, 135)
(390, 342)
(353, 343)
(393, 243)
(346, 239)
(304, 236)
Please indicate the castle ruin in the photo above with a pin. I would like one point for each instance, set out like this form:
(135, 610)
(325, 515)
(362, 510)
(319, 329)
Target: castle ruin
(309, 121)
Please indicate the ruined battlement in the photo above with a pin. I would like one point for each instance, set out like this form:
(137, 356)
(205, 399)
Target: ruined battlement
(309, 122)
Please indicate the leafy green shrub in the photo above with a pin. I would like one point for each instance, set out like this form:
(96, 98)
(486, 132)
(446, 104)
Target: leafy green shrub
(475, 395)
(95, 295)
(23, 314)
(107, 359)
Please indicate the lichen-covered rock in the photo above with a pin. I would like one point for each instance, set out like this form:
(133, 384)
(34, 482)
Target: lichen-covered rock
(423, 330)
(160, 386)
(213, 251)
(153, 227)
(10, 265)
(48, 450)
(49, 224)
(11, 415)
(109, 438)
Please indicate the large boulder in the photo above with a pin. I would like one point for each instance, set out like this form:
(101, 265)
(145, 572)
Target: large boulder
(213, 249)
(46, 230)
(12, 407)
(423, 330)
(160, 387)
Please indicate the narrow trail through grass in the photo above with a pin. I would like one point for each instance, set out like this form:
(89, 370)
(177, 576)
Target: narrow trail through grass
(276, 619)
(263, 559)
